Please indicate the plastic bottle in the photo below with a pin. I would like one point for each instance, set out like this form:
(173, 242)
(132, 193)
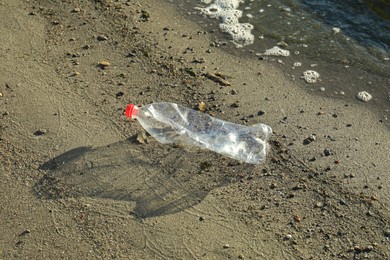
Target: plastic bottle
(172, 123)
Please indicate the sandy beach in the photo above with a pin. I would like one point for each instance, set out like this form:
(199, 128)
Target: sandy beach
(80, 181)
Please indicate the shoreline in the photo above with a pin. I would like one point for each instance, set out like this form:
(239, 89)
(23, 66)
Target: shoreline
(340, 79)
(307, 199)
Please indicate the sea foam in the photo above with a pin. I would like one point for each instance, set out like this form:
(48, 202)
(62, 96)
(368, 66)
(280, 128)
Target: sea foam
(226, 11)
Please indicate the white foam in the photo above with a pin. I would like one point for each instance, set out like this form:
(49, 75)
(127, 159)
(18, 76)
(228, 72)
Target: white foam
(364, 96)
(336, 29)
(277, 51)
(227, 12)
(311, 76)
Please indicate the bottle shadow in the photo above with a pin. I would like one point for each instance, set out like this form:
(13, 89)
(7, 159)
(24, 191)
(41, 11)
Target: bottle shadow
(160, 179)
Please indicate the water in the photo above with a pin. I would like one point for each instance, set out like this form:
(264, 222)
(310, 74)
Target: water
(348, 40)
(364, 37)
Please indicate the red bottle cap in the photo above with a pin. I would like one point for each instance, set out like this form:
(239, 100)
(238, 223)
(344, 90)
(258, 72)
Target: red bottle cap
(131, 111)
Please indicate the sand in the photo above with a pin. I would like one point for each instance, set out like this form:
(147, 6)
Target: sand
(80, 181)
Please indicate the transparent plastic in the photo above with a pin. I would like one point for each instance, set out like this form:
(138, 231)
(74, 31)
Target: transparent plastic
(172, 123)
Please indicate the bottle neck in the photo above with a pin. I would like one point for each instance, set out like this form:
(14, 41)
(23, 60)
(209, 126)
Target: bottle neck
(132, 111)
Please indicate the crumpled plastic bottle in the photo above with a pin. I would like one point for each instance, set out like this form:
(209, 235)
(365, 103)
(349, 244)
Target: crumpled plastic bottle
(173, 123)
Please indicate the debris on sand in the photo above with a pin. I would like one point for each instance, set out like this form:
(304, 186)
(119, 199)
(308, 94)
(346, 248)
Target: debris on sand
(219, 78)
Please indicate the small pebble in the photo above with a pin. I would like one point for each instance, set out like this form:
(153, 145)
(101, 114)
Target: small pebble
(25, 232)
(76, 10)
(343, 202)
(282, 44)
(202, 106)
(288, 237)
(306, 141)
(327, 152)
(131, 54)
(142, 138)
(102, 38)
(226, 246)
(235, 105)
(260, 113)
(273, 185)
(104, 63)
(309, 139)
(40, 132)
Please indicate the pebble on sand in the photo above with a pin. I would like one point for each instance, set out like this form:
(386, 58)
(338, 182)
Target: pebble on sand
(328, 152)
(25, 232)
(142, 138)
(104, 63)
(40, 132)
(202, 106)
(102, 38)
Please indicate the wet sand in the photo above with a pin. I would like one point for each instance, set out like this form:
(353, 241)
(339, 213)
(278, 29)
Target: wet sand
(78, 180)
